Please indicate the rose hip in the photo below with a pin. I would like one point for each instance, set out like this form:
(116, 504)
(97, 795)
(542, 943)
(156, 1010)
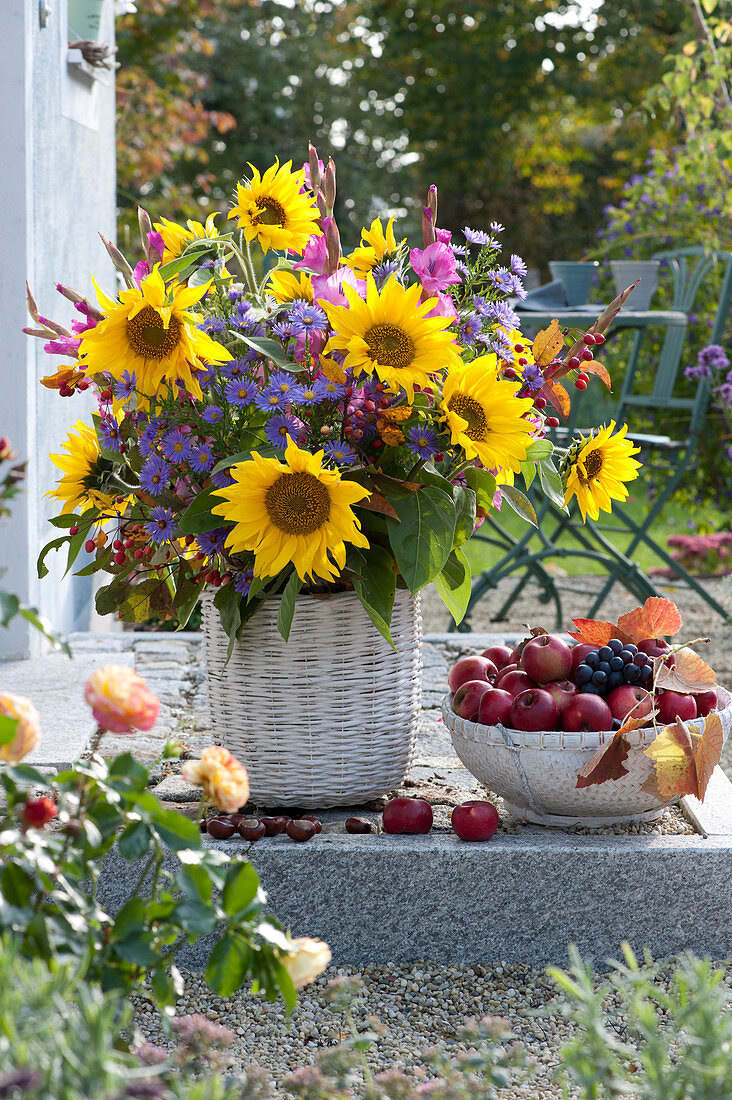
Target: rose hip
(358, 825)
(220, 828)
(251, 829)
(273, 826)
(300, 829)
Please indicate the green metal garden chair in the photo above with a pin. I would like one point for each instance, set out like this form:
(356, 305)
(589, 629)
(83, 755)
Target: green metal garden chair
(655, 399)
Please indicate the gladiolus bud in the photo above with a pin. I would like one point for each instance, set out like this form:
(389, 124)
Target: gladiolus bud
(333, 244)
(432, 202)
(428, 227)
(146, 228)
(31, 304)
(329, 185)
(314, 167)
(37, 812)
(119, 262)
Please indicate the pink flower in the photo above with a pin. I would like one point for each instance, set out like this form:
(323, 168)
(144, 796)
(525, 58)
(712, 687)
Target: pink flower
(444, 236)
(65, 345)
(329, 288)
(156, 244)
(315, 256)
(444, 307)
(27, 731)
(435, 267)
(120, 700)
(142, 270)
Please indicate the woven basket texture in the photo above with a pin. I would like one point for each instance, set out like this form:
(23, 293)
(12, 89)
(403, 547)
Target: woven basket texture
(538, 771)
(328, 718)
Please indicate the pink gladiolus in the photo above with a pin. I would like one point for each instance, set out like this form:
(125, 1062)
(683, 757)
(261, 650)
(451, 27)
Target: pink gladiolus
(444, 236)
(156, 244)
(315, 256)
(120, 700)
(435, 267)
(444, 307)
(329, 288)
(67, 345)
(142, 270)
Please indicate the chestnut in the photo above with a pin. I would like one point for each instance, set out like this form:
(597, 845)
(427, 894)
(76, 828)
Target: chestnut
(315, 820)
(300, 829)
(202, 824)
(236, 819)
(358, 825)
(250, 828)
(220, 828)
(273, 826)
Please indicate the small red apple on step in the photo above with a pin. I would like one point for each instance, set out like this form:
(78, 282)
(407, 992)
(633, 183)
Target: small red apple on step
(475, 820)
(546, 658)
(407, 815)
(471, 668)
(673, 705)
(533, 710)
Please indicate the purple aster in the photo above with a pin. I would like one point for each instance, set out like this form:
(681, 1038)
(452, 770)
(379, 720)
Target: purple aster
(126, 386)
(342, 454)
(109, 434)
(517, 265)
(284, 330)
(422, 442)
(502, 280)
(177, 446)
(329, 391)
(724, 393)
(477, 236)
(211, 543)
(206, 376)
(279, 428)
(698, 370)
(154, 475)
(480, 305)
(306, 318)
(202, 457)
(383, 272)
(148, 441)
(161, 527)
(470, 328)
(503, 314)
(496, 227)
(243, 582)
(518, 286)
(462, 268)
(235, 368)
(459, 249)
(282, 382)
(212, 414)
(240, 391)
(235, 295)
(713, 356)
(310, 395)
(222, 479)
(214, 326)
(270, 400)
(533, 378)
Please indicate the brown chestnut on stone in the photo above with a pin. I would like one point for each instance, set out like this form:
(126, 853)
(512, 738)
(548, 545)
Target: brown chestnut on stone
(315, 820)
(236, 819)
(251, 829)
(273, 826)
(300, 829)
(220, 828)
(202, 825)
(358, 825)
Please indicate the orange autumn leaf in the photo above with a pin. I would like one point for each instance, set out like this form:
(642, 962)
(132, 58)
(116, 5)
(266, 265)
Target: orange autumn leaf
(600, 371)
(689, 674)
(64, 376)
(596, 631)
(630, 724)
(547, 344)
(557, 396)
(606, 763)
(657, 618)
(683, 760)
(392, 436)
(398, 413)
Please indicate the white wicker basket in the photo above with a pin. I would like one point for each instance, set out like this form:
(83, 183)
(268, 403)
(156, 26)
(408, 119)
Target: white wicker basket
(328, 718)
(536, 773)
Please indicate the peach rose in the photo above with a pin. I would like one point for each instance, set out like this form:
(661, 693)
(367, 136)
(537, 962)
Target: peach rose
(308, 959)
(120, 700)
(223, 778)
(28, 730)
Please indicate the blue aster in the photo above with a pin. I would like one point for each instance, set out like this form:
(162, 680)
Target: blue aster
(533, 377)
(161, 527)
(243, 582)
(212, 414)
(501, 280)
(517, 265)
(470, 328)
(211, 543)
(279, 428)
(109, 435)
(422, 442)
(154, 475)
(307, 318)
(240, 391)
(126, 386)
(342, 454)
(177, 446)
(478, 236)
(202, 457)
(235, 368)
(329, 391)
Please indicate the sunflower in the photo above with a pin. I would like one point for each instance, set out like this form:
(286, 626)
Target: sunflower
(176, 238)
(390, 336)
(294, 511)
(275, 209)
(596, 469)
(288, 286)
(375, 245)
(152, 335)
(84, 469)
(485, 417)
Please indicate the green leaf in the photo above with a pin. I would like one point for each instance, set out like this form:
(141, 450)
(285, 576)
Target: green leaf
(16, 885)
(228, 965)
(422, 540)
(176, 831)
(240, 889)
(138, 950)
(41, 567)
(375, 584)
(454, 584)
(9, 606)
(196, 882)
(286, 612)
(147, 600)
(539, 449)
(483, 484)
(270, 348)
(195, 917)
(286, 986)
(125, 766)
(465, 505)
(520, 503)
(528, 469)
(134, 841)
(198, 516)
(8, 726)
(228, 603)
(130, 918)
(246, 435)
(551, 483)
(164, 988)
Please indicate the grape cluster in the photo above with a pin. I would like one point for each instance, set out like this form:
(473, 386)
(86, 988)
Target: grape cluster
(610, 666)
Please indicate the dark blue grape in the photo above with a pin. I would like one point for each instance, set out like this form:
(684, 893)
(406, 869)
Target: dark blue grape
(646, 674)
(631, 674)
(599, 678)
(640, 659)
(589, 689)
(582, 674)
(615, 644)
(605, 653)
(592, 659)
(604, 666)
(616, 663)
(631, 648)
(615, 679)
(626, 656)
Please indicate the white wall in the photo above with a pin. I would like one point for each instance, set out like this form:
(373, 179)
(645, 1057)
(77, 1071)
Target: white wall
(57, 190)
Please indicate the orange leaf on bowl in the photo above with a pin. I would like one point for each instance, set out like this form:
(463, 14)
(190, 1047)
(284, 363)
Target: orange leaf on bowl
(657, 618)
(607, 762)
(683, 760)
(596, 632)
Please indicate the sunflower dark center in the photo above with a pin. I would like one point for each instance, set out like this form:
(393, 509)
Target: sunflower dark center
(471, 411)
(389, 346)
(149, 337)
(298, 503)
(271, 212)
(593, 465)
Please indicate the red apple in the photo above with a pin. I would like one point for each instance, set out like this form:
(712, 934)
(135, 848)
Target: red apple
(475, 820)
(499, 654)
(656, 647)
(467, 698)
(579, 652)
(471, 668)
(561, 692)
(706, 702)
(407, 815)
(629, 700)
(587, 712)
(516, 681)
(673, 705)
(495, 706)
(513, 667)
(547, 658)
(534, 709)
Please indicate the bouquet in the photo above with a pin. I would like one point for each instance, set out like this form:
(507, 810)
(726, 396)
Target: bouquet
(301, 420)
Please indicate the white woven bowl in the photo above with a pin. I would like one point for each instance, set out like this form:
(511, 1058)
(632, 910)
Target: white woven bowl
(326, 719)
(536, 773)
